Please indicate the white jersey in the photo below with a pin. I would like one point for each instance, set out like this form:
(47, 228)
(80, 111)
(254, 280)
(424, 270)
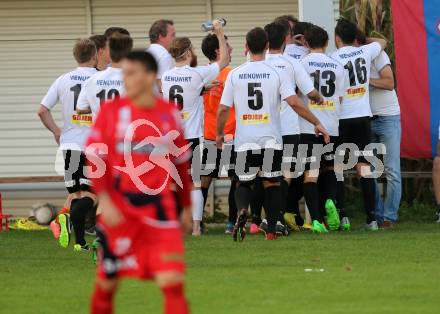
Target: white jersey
(256, 89)
(383, 102)
(101, 87)
(299, 78)
(163, 58)
(295, 51)
(183, 86)
(66, 90)
(357, 63)
(331, 80)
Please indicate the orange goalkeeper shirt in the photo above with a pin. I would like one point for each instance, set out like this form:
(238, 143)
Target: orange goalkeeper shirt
(211, 103)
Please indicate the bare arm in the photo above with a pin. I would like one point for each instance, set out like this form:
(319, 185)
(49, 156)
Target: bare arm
(224, 58)
(222, 117)
(315, 96)
(386, 80)
(48, 121)
(297, 105)
(83, 111)
(382, 42)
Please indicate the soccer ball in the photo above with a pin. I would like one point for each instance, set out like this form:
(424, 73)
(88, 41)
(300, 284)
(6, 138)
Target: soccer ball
(43, 213)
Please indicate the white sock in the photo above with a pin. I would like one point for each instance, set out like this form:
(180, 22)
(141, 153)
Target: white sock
(197, 204)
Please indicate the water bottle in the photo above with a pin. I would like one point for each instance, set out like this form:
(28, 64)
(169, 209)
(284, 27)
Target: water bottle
(207, 26)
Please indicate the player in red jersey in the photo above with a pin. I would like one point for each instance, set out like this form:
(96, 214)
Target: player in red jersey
(137, 152)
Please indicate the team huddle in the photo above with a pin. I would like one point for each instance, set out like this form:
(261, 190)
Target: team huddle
(146, 132)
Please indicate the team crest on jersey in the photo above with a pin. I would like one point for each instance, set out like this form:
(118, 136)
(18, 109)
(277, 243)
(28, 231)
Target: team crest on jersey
(356, 92)
(255, 118)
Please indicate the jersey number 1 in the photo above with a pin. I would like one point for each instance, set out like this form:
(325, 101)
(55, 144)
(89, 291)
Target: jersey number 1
(76, 89)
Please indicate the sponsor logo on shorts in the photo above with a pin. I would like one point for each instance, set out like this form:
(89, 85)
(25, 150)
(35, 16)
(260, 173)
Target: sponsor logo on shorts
(327, 105)
(82, 119)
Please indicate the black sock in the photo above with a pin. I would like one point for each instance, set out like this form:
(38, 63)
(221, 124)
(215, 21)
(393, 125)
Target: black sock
(257, 201)
(369, 194)
(438, 208)
(231, 201)
(284, 191)
(311, 195)
(295, 193)
(272, 203)
(78, 212)
(205, 195)
(243, 196)
(340, 196)
(322, 195)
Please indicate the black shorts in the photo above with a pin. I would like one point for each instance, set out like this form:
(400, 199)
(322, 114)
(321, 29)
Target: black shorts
(317, 158)
(218, 166)
(265, 163)
(290, 152)
(75, 178)
(356, 131)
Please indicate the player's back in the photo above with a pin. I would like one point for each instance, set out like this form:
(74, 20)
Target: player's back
(183, 86)
(256, 96)
(66, 90)
(357, 64)
(101, 87)
(330, 80)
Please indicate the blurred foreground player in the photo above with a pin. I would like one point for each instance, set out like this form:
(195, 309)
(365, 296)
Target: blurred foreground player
(144, 154)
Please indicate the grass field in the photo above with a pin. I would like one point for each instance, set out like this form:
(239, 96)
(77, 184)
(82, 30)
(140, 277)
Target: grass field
(394, 271)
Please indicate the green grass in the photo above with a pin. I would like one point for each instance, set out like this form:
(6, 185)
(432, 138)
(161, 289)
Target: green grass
(385, 272)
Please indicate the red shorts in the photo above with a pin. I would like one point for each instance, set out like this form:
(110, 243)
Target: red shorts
(140, 249)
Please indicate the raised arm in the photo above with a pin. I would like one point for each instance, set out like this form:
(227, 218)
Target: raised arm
(224, 58)
(382, 42)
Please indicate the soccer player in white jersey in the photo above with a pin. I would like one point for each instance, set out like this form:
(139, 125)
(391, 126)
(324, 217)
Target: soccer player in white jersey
(297, 49)
(108, 84)
(331, 80)
(385, 129)
(71, 138)
(277, 34)
(256, 90)
(354, 124)
(183, 85)
(162, 33)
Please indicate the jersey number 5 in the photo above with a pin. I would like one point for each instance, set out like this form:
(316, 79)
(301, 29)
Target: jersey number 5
(361, 71)
(175, 96)
(255, 101)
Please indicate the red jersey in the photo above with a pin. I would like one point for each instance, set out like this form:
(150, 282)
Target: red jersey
(144, 153)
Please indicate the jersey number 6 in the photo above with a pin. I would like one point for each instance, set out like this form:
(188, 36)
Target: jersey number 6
(175, 96)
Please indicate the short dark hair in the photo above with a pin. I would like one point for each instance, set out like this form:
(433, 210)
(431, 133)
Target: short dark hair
(84, 50)
(316, 37)
(346, 30)
(287, 18)
(301, 27)
(99, 41)
(256, 40)
(115, 29)
(209, 45)
(276, 34)
(361, 38)
(145, 58)
(159, 28)
(120, 46)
